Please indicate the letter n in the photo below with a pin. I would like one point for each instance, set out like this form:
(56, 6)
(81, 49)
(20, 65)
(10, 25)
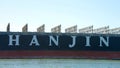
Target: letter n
(106, 42)
(55, 41)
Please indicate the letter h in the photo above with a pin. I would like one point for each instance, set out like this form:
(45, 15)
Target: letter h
(11, 40)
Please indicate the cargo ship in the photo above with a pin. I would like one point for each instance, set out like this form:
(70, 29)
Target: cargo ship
(59, 45)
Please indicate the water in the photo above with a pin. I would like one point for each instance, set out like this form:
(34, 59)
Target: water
(58, 63)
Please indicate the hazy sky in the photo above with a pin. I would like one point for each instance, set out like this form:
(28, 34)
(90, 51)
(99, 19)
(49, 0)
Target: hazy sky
(54, 12)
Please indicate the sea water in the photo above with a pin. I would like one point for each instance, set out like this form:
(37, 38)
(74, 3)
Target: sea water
(58, 63)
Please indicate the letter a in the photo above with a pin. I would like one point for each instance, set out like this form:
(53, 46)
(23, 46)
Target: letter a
(34, 41)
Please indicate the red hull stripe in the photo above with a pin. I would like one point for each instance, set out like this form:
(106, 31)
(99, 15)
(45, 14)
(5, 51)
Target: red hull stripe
(60, 54)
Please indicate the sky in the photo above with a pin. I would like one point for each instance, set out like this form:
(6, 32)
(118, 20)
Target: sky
(35, 13)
